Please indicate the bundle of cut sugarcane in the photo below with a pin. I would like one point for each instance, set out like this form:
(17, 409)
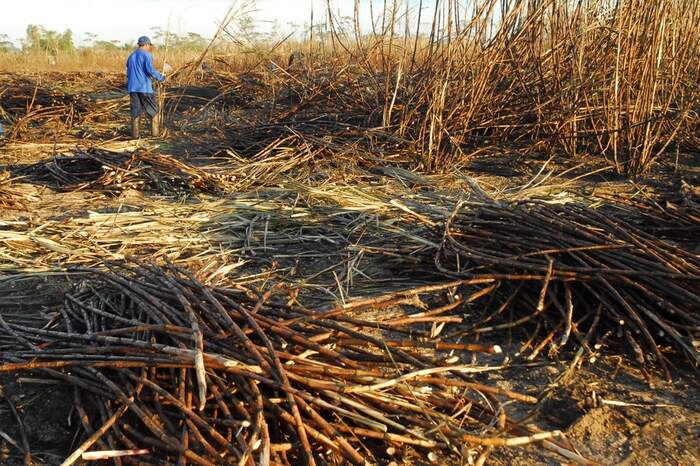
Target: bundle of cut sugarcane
(583, 275)
(184, 373)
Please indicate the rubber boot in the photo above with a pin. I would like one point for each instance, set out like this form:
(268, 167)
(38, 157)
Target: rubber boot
(135, 128)
(155, 126)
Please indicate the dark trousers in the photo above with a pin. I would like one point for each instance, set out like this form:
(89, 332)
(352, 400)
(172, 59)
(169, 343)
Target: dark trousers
(142, 102)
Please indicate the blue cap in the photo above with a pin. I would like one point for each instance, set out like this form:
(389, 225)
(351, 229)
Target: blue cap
(144, 40)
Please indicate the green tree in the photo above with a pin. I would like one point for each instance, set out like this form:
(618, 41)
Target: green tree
(90, 39)
(159, 35)
(32, 39)
(39, 38)
(248, 29)
(111, 46)
(193, 41)
(65, 41)
(6, 44)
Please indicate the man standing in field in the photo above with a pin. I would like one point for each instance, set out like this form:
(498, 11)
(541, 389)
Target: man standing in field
(140, 71)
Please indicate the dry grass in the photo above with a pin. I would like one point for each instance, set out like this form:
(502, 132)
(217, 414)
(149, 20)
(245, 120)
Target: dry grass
(84, 60)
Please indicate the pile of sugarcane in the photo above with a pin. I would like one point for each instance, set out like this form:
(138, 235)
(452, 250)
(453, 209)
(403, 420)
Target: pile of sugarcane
(114, 172)
(179, 372)
(21, 94)
(27, 103)
(581, 275)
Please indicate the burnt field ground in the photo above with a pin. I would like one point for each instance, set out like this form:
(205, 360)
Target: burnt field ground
(537, 309)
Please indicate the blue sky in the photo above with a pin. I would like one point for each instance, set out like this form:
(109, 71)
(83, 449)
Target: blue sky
(124, 20)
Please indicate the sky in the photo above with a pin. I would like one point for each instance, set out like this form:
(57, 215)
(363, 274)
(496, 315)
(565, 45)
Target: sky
(126, 20)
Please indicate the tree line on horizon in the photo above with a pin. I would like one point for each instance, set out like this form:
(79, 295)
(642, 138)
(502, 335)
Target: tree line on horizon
(41, 39)
(245, 32)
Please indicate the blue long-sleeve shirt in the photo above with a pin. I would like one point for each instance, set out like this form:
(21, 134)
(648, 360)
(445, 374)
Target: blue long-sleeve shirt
(140, 70)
